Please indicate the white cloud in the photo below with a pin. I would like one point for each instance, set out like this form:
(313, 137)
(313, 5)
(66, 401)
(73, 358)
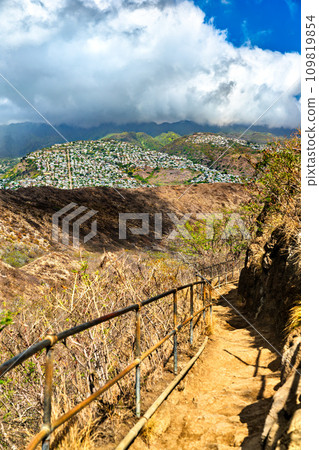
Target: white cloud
(292, 6)
(93, 61)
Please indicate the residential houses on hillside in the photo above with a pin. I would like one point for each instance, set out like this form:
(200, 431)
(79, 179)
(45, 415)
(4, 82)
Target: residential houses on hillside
(101, 163)
(220, 141)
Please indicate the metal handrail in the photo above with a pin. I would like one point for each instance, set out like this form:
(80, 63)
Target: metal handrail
(49, 341)
(236, 261)
(220, 263)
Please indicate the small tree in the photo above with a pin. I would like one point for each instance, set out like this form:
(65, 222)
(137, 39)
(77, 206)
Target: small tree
(276, 184)
(278, 174)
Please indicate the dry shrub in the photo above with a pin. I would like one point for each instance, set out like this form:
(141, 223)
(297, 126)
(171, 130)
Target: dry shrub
(88, 360)
(79, 432)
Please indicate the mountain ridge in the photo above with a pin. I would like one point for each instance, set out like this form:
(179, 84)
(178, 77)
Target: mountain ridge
(18, 139)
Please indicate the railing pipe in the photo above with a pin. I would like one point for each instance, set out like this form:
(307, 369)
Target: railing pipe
(210, 306)
(138, 367)
(191, 326)
(203, 293)
(175, 328)
(48, 392)
(46, 342)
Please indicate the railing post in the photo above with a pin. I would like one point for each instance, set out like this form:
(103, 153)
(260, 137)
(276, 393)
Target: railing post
(196, 288)
(175, 334)
(191, 326)
(203, 289)
(47, 402)
(138, 367)
(210, 307)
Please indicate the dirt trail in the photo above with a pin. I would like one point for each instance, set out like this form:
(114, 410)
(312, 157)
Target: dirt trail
(223, 401)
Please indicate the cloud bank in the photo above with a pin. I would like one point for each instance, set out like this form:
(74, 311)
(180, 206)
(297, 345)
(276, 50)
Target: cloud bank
(91, 61)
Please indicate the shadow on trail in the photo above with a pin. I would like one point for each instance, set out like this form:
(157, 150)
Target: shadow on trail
(254, 415)
(257, 366)
(243, 319)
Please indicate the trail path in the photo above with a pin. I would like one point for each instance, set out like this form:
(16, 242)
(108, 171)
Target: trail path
(223, 401)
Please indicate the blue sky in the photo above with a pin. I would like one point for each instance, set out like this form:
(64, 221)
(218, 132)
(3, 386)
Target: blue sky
(86, 62)
(269, 24)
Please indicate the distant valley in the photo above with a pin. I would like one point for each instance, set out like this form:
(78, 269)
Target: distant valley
(109, 162)
(135, 159)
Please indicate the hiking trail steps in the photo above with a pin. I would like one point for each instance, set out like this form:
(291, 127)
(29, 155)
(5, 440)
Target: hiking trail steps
(223, 401)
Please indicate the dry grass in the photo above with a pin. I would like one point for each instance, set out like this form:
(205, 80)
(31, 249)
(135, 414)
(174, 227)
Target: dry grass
(148, 430)
(294, 320)
(79, 433)
(91, 358)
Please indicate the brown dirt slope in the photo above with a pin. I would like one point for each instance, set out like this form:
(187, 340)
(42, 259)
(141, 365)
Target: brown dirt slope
(26, 226)
(26, 214)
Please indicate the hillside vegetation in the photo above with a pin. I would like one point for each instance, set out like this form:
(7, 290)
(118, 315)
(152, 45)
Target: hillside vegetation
(6, 164)
(270, 282)
(144, 140)
(277, 227)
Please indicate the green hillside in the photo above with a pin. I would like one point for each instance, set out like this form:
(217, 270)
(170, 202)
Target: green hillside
(143, 140)
(255, 137)
(6, 164)
(167, 138)
(228, 152)
(224, 153)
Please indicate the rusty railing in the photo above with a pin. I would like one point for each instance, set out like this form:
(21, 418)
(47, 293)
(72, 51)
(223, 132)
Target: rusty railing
(205, 296)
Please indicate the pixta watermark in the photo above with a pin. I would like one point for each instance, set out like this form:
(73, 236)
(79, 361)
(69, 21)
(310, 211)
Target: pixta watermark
(64, 226)
(234, 224)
